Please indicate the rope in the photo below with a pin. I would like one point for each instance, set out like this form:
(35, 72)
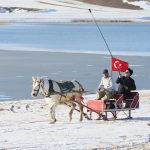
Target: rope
(68, 6)
(100, 32)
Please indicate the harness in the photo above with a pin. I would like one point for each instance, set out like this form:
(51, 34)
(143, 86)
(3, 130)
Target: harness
(50, 91)
(51, 88)
(66, 86)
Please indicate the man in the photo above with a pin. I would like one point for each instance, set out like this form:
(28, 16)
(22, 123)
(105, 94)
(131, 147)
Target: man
(106, 88)
(126, 83)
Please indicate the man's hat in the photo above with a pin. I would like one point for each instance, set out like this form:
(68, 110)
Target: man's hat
(130, 70)
(105, 71)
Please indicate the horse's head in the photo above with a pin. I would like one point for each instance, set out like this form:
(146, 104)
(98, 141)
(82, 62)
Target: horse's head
(35, 86)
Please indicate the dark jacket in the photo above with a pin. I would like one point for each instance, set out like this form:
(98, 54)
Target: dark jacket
(124, 81)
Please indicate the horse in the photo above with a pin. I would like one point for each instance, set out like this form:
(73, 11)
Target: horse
(58, 92)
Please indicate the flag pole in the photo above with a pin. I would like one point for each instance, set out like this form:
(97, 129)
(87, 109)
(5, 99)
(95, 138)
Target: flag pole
(101, 33)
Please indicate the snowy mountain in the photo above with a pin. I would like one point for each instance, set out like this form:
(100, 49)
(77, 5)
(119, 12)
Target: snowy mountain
(124, 4)
(72, 11)
(144, 4)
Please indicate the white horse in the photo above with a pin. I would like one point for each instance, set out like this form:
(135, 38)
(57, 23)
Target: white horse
(60, 92)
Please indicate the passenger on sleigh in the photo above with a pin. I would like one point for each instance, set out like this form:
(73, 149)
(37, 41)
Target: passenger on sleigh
(126, 83)
(106, 89)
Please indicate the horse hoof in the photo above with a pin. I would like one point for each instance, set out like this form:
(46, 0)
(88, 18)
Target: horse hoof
(52, 122)
(87, 117)
(81, 120)
(12, 108)
(99, 118)
(70, 119)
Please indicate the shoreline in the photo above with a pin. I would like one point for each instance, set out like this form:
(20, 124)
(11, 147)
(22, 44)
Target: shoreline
(72, 21)
(106, 53)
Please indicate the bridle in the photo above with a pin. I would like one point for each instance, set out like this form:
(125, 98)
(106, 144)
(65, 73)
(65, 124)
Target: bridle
(37, 88)
(40, 89)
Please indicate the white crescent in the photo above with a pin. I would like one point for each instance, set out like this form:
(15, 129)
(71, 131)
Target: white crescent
(117, 64)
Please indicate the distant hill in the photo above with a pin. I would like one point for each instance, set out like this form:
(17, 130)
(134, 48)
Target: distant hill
(112, 3)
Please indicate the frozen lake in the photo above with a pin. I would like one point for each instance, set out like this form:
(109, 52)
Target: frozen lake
(129, 37)
(17, 67)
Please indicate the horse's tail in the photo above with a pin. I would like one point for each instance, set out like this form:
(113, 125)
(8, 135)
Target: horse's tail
(81, 89)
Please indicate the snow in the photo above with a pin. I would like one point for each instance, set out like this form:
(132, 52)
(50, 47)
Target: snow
(143, 4)
(14, 47)
(54, 11)
(28, 128)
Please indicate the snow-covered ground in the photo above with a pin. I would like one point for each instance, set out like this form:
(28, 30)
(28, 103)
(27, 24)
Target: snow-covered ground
(28, 129)
(54, 11)
(144, 4)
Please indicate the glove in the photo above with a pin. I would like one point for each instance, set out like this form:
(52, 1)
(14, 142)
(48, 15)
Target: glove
(101, 88)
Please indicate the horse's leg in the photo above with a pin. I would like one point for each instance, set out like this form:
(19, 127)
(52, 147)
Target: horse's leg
(72, 105)
(52, 113)
(81, 111)
(80, 107)
(52, 117)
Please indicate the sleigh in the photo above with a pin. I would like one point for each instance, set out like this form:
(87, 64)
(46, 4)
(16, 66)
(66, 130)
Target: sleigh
(113, 107)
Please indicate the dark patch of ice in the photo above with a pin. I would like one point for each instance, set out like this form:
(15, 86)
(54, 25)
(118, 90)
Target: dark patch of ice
(20, 9)
(145, 18)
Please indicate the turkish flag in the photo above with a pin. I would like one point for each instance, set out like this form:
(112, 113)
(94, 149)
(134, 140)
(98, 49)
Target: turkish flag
(119, 65)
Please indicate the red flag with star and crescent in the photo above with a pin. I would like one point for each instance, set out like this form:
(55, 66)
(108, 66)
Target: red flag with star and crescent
(119, 65)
